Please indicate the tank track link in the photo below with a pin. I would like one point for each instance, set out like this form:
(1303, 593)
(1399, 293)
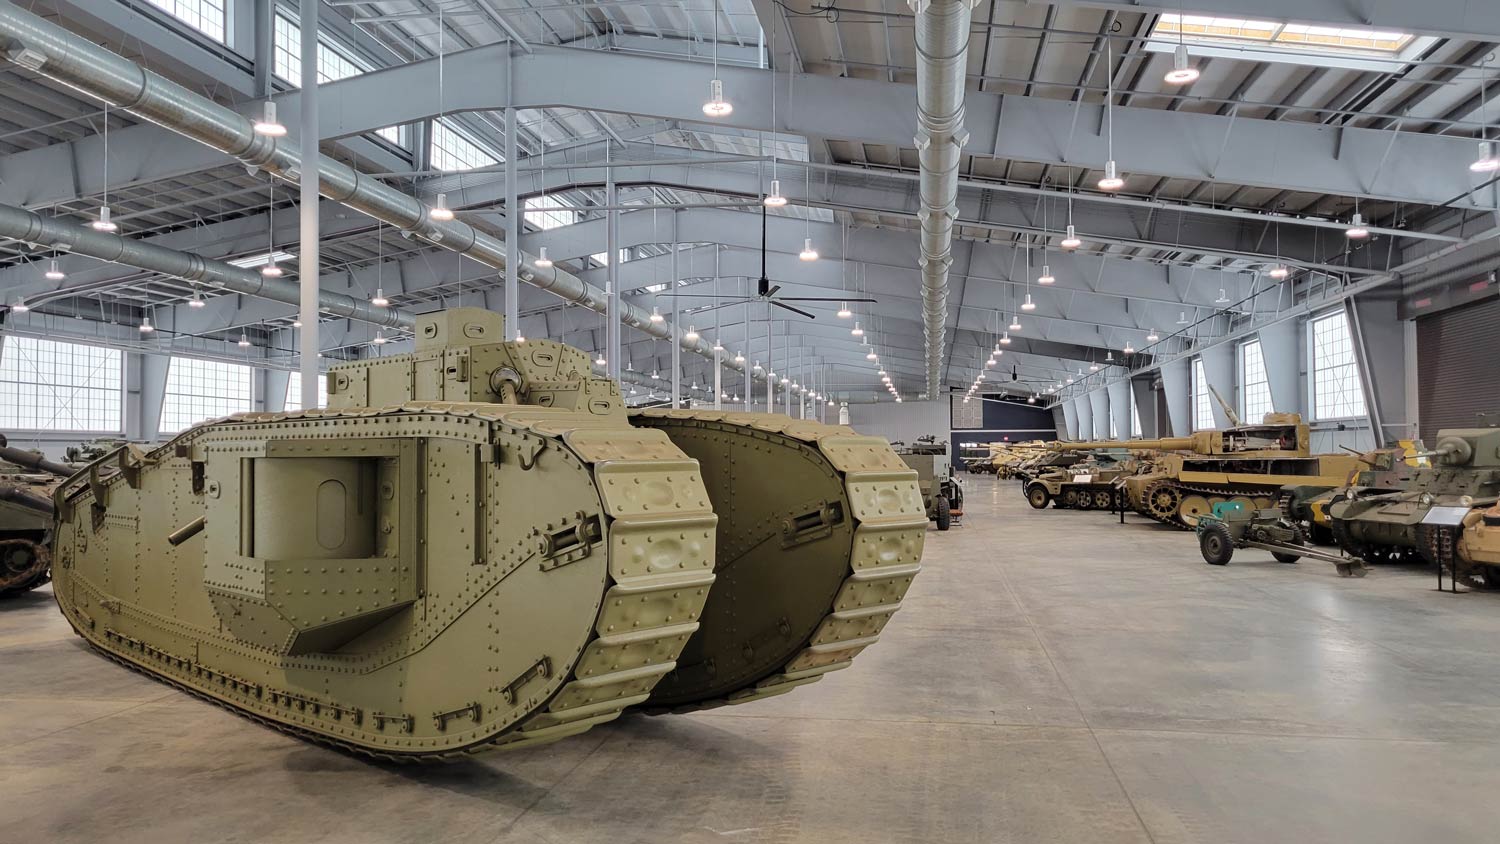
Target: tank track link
(1439, 546)
(873, 587)
(575, 705)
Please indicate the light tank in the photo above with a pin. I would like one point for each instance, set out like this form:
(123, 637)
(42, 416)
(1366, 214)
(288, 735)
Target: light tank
(1443, 512)
(1249, 464)
(26, 483)
(473, 547)
(942, 495)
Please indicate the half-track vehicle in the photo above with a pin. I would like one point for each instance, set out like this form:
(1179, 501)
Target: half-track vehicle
(26, 482)
(942, 495)
(1444, 513)
(1089, 485)
(475, 546)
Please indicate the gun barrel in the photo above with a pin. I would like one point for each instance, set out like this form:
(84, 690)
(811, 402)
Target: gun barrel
(1164, 444)
(35, 462)
(23, 498)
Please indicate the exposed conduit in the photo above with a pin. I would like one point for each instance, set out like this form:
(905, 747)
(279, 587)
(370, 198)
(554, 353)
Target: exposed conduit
(942, 65)
(56, 53)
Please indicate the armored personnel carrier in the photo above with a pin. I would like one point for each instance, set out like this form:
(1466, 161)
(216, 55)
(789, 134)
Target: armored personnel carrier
(1444, 512)
(1245, 463)
(26, 483)
(473, 547)
(1089, 485)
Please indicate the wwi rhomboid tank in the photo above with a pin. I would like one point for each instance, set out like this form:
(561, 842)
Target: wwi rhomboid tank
(473, 547)
(1444, 512)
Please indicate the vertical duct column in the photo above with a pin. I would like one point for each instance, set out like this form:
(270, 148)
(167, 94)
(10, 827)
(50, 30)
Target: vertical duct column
(309, 265)
(942, 65)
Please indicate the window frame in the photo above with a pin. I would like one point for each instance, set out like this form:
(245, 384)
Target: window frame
(1200, 397)
(168, 393)
(1242, 359)
(1313, 369)
(7, 348)
(399, 135)
(226, 13)
(461, 134)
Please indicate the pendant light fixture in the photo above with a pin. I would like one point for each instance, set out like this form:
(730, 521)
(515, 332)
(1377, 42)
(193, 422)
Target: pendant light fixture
(440, 210)
(54, 273)
(20, 307)
(1111, 180)
(1093, 367)
(1028, 305)
(1015, 324)
(692, 334)
(1152, 337)
(774, 199)
(146, 327)
(520, 338)
(1129, 349)
(808, 253)
(542, 260)
(600, 361)
(1357, 229)
(1005, 339)
(1486, 162)
(656, 316)
(739, 357)
(104, 223)
(1223, 298)
(297, 323)
(1182, 318)
(717, 106)
(1071, 240)
(379, 300)
(1046, 276)
(244, 341)
(197, 300)
(1182, 71)
(997, 351)
(844, 312)
(856, 331)
(379, 337)
(268, 125)
(1279, 272)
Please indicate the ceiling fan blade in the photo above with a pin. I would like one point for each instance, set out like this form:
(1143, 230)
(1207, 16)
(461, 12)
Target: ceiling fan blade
(706, 296)
(792, 309)
(770, 291)
(815, 299)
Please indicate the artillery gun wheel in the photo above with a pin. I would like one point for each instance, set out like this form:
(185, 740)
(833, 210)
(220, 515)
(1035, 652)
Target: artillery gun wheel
(943, 513)
(1286, 557)
(1216, 545)
(1070, 498)
(1162, 499)
(1103, 499)
(1037, 497)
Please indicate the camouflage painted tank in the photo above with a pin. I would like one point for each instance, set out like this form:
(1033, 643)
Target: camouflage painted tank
(473, 547)
(1443, 512)
(26, 483)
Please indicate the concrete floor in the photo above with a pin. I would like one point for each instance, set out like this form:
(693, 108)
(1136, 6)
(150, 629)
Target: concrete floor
(1054, 677)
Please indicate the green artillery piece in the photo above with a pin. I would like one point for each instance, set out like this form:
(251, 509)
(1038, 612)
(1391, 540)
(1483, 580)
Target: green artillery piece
(1231, 525)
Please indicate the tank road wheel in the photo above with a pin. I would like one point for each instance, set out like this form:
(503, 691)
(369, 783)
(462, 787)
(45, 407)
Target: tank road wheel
(820, 532)
(1037, 497)
(1246, 502)
(944, 514)
(1070, 498)
(23, 566)
(1191, 508)
(1162, 499)
(1263, 502)
(1103, 499)
(1216, 545)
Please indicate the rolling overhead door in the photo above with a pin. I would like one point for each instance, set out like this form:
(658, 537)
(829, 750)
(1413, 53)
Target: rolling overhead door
(1458, 367)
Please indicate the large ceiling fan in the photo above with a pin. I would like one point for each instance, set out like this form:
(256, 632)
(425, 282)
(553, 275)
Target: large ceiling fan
(765, 291)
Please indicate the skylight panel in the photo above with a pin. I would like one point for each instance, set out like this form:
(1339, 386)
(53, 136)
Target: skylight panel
(1204, 29)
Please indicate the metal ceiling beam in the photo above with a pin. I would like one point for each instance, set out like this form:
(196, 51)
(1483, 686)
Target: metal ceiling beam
(1449, 18)
(1371, 163)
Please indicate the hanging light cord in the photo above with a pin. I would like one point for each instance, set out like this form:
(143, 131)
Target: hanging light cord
(1109, 95)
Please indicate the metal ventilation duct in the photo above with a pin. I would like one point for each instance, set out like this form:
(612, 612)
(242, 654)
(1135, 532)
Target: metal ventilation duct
(56, 53)
(942, 65)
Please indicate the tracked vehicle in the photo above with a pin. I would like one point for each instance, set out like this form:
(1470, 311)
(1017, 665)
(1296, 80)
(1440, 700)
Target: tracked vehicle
(1444, 513)
(472, 547)
(26, 483)
(1245, 463)
(1090, 485)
